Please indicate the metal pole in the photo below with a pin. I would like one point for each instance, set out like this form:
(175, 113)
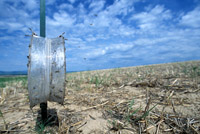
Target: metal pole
(43, 106)
(42, 19)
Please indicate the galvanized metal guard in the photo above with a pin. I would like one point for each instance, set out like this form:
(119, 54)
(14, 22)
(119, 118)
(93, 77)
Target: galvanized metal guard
(46, 68)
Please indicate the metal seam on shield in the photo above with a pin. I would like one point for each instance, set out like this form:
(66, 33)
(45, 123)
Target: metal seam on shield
(50, 60)
(48, 43)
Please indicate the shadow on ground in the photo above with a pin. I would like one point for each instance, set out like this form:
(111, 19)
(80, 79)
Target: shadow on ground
(52, 120)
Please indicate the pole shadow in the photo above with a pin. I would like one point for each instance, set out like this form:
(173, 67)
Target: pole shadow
(52, 120)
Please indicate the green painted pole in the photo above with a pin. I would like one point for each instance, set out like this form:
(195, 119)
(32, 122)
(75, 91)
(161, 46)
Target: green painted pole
(42, 19)
(43, 106)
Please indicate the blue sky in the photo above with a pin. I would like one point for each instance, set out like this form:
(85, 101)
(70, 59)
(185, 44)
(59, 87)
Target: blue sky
(104, 33)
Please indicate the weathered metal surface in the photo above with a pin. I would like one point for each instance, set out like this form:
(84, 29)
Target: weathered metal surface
(46, 70)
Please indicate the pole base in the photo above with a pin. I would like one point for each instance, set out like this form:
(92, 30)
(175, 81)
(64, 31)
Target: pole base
(43, 107)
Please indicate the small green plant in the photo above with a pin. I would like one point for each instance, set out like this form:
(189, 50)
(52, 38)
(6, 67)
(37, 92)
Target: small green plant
(115, 125)
(194, 71)
(131, 112)
(40, 128)
(130, 117)
(145, 114)
(4, 121)
(184, 69)
(96, 80)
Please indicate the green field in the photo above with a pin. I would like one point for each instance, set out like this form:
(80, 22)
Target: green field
(5, 80)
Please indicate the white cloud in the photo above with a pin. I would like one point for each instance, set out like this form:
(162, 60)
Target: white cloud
(119, 47)
(105, 21)
(82, 10)
(66, 6)
(120, 7)
(95, 53)
(90, 37)
(31, 4)
(111, 48)
(108, 17)
(126, 31)
(61, 18)
(152, 17)
(120, 56)
(97, 5)
(72, 1)
(16, 18)
(101, 24)
(50, 2)
(15, 26)
(8, 5)
(75, 41)
(191, 19)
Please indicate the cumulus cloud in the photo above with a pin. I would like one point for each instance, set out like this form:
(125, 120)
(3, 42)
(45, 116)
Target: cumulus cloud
(75, 41)
(30, 4)
(61, 19)
(119, 47)
(15, 18)
(97, 6)
(95, 53)
(60, 22)
(152, 17)
(50, 2)
(65, 6)
(110, 49)
(72, 1)
(120, 7)
(191, 19)
(108, 17)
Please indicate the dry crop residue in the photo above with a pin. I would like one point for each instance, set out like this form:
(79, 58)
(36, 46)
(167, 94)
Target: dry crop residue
(146, 99)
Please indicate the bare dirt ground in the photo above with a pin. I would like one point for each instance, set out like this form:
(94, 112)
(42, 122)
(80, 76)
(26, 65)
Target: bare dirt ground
(147, 99)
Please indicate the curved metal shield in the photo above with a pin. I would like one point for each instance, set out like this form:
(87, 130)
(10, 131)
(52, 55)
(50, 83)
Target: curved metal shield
(46, 70)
